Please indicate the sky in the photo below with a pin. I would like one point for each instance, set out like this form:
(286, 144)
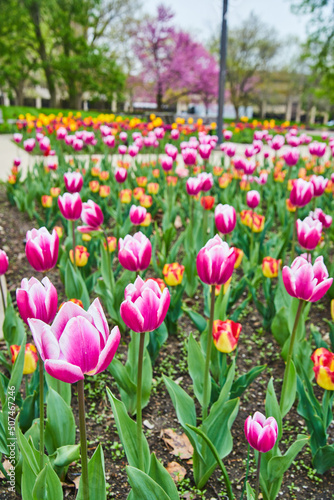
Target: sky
(202, 17)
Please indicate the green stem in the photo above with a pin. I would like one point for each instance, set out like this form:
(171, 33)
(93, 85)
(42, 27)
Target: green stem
(41, 413)
(251, 241)
(139, 393)
(73, 243)
(217, 457)
(83, 440)
(111, 276)
(258, 476)
(289, 358)
(2, 297)
(208, 356)
(325, 404)
(247, 472)
(294, 236)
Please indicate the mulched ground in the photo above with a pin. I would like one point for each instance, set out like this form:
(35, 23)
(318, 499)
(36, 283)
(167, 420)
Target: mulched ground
(255, 347)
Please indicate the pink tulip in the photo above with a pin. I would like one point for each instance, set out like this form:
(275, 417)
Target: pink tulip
(204, 151)
(159, 133)
(145, 306)
(37, 300)
(167, 163)
(293, 141)
(253, 198)
(317, 148)
(3, 262)
(193, 186)
(137, 215)
(230, 150)
(215, 262)
(123, 136)
(261, 432)
(249, 167)
(61, 133)
(70, 206)
(92, 216)
(17, 137)
(318, 214)
(73, 182)
(240, 163)
(225, 218)
(189, 156)
(309, 233)
(122, 149)
(171, 151)
(42, 249)
(133, 150)
(250, 151)
(77, 144)
(257, 145)
(121, 175)
(17, 162)
(109, 141)
(291, 157)
(227, 135)
(69, 140)
(206, 181)
(277, 142)
(135, 252)
(105, 130)
(306, 282)
(77, 343)
(29, 145)
(319, 184)
(175, 134)
(301, 193)
(182, 172)
(44, 144)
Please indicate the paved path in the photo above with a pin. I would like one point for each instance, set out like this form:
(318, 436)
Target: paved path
(8, 151)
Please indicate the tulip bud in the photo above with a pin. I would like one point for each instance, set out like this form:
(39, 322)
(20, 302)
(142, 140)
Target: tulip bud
(30, 357)
(135, 252)
(215, 262)
(42, 249)
(112, 242)
(323, 361)
(145, 305)
(253, 198)
(226, 335)
(73, 182)
(309, 233)
(173, 274)
(125, 196)
(70, 206)
(261, 433)
(37, 299)
(81, 256)
(225, 218)
(3, 262)
(270, 267)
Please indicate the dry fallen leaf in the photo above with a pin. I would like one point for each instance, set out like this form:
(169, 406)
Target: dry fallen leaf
(178, 222)
(179, 443)
(176, 471)
(7, 465)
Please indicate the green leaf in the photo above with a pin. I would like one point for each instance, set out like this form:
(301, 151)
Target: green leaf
(144, 487)
(199, 321)
(62, 388)
(272, 407)
(17, 372)
(127, 430)
(47, 485)
(196, 366)
(277, 465)
(323, 460)
(291, 390)
(65, 455)
(60, 424)
(160, 475)
(75, 286)
(241, 384)
(280, 326)
(250, 492)
(184, 405)
(13, 326)
(96, 477)
(157, 338)
(28, 411)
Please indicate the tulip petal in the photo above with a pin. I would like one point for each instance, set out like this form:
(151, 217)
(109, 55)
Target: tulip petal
(109, 350)
(99, 320)
(68, 310)
(267, 439)
(320, 289)
(44, 339)
(80, 344)
(64, 371)
(289, 281)
(131, 316)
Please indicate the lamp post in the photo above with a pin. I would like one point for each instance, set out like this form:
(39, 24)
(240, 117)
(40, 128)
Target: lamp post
(222, 73)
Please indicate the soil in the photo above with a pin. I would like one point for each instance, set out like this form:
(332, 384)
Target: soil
(255, 347)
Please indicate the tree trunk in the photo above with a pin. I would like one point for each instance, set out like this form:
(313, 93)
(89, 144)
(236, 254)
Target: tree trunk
(19, 94)
(74, 97)
(159, 97)
(34, 11)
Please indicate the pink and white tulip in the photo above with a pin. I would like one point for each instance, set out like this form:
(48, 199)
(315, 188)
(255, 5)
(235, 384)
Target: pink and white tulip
(306, 281)
(73, 182)
(225, 218)
(309, 233)
(42, 249)
(135, 252)
(261, 432)
(92, 216)
(137, 215)
(37, 299)
(215, 262)
(145, 305)
(70, 206)
(77, 343)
